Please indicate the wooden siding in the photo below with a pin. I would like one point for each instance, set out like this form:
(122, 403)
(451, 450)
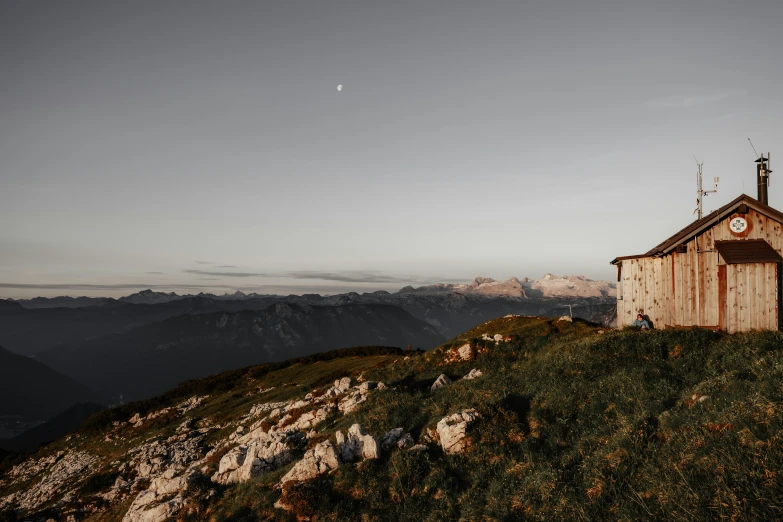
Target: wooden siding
(697, 288)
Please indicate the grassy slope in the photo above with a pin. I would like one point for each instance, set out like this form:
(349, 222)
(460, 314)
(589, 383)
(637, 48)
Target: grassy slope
(576, 425)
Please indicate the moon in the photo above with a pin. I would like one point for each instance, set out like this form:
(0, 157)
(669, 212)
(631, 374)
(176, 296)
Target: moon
(340, 87)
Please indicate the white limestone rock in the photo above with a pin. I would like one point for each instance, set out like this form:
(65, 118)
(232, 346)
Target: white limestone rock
(351, 402)
(440, 382)
(473, 374)
(465, 352)
(366, 386)
(316, 461)
(452, 430)
(357, 444)
(54, 482)
(154, 504)
(266, 454)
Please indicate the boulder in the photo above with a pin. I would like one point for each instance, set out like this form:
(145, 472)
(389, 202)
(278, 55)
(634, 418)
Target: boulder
(406, 441)
(452, 430)
(465, 352)
(316, 461)
(473, 374)
(367, 386)
(440, 382)
(392, 437)
(343, 384)
(357, 444)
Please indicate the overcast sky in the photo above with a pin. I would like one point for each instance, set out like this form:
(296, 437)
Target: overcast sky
(195, 146)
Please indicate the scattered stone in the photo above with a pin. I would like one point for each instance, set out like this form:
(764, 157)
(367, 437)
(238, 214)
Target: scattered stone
(452, 430)
(418, 448)
(440, 382)
(566, 318)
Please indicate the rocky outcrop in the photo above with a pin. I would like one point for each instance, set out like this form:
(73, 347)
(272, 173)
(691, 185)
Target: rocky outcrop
(66, 468)
(266, 454)
(351, 401)
(316, 461)
(459, 354)
(175, 453)
(156, 504)
(440, 382)
(452, 430)
(357, 444)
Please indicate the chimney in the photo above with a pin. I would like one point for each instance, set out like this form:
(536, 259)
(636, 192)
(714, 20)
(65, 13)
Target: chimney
(762, 178)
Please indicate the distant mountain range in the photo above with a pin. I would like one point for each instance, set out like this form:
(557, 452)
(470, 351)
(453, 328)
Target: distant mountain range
(150, 359)
(144, 343)
(30, 326)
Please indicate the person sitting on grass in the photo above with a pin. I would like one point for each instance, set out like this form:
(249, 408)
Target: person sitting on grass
(641, 323)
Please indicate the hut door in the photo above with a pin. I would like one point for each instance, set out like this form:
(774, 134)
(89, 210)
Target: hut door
(723, 304)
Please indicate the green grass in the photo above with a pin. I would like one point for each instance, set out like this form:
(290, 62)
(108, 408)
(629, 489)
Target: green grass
(577, 423)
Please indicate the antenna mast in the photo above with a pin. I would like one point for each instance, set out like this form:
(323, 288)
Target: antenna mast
(700, 192)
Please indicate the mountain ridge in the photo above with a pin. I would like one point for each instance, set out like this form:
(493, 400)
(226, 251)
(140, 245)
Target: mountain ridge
(151, 358)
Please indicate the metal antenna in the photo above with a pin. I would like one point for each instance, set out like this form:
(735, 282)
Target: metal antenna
(700, 192)
(754, 148)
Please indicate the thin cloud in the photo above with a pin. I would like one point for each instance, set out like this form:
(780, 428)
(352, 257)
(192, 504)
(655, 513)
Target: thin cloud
(204, 262)
(226, 266)
(353, 277)
(223, 274)
(692, 100)
(78, 286)
(156, 273)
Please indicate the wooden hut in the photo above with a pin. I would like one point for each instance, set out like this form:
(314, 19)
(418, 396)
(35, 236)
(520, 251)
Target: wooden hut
(722, 272)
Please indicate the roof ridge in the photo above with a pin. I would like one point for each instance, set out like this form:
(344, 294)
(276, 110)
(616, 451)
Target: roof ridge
(697, 227)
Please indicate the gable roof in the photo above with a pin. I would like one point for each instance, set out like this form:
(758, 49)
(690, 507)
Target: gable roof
(697, 227)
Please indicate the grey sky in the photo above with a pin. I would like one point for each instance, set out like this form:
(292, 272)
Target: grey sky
(470, 138)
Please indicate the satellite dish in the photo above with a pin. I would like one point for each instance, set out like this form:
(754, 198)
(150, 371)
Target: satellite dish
(340, 87)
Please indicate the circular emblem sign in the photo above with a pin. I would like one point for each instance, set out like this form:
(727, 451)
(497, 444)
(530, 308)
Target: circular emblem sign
(738, 225)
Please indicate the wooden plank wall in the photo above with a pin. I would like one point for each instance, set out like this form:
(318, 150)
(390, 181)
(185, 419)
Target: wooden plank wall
(684, 289)
(752, 297)
(646, 289)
